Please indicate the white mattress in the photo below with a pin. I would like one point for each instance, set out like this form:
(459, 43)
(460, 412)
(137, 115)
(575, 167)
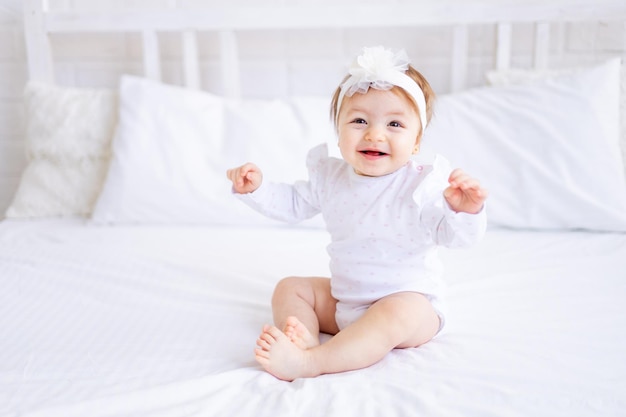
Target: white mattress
(162, 321)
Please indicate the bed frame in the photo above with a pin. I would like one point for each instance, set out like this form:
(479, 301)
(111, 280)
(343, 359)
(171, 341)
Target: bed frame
(41, 22)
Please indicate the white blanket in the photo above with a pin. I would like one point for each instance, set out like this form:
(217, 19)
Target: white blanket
(162, 321)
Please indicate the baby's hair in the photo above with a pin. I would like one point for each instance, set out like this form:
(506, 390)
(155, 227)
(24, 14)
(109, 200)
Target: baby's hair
(415, 75)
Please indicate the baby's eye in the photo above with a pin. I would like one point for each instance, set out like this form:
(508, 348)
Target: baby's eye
(359, 121)
(395, 124)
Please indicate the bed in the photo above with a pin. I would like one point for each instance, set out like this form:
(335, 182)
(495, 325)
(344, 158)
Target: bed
(134, 284)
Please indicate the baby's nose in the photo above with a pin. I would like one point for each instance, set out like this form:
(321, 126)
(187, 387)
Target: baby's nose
(375, 134)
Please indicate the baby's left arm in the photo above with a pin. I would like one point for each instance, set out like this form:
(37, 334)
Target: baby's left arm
(464, 194)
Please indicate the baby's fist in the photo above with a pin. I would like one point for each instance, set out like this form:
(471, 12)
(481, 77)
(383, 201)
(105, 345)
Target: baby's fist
(465, 194)
(245, 178)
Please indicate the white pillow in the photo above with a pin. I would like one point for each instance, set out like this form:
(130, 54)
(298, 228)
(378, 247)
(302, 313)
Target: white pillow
(172, 149)
(314, 114)
(268, 133)
(68, 136)
(548, 151)
(527, 76)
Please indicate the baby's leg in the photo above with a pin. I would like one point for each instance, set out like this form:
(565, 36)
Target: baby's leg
(302, 308)
(399, 320)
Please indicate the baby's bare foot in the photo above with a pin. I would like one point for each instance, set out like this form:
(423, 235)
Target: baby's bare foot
(281, 357)
(299, 334)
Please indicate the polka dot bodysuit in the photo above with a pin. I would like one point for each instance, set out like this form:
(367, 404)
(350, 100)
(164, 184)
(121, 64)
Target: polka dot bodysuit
(384, 230)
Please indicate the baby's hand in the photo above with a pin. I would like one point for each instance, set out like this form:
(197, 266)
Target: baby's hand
(464, 193)
(245, 178)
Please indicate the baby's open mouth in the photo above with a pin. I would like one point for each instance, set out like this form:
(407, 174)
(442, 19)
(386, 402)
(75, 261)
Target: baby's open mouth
(372, 152)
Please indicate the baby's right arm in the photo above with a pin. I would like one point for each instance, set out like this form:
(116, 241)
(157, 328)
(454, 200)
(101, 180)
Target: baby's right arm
(245, 178)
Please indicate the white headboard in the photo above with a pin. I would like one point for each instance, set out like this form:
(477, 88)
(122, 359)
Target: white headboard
(227, 21)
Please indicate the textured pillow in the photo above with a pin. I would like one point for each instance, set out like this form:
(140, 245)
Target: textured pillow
(547, 151)
(68, 138)
(173, 146)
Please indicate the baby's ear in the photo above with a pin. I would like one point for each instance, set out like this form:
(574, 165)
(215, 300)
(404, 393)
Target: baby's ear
(416, 148)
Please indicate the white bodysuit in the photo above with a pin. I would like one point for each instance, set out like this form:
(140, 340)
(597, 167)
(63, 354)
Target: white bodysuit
(384, 230)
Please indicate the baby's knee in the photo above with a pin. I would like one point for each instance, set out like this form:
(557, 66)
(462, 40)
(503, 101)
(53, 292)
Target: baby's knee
(313, 290)
(287, 286)
(294, 287)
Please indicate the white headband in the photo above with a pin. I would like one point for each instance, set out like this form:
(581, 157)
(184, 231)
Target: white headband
(381, 69)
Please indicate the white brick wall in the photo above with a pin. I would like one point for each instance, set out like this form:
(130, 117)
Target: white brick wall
(274, 63)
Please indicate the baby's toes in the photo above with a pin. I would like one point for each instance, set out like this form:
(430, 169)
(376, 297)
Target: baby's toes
(263, 344)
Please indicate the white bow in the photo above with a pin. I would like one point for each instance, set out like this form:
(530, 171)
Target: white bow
(381, 69)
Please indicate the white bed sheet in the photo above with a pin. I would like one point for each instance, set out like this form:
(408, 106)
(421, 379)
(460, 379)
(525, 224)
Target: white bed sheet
(162, 321)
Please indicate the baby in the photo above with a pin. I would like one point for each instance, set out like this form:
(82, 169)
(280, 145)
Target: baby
(386, 215)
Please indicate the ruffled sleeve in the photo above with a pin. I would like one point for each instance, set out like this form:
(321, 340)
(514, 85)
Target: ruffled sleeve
(445, 226)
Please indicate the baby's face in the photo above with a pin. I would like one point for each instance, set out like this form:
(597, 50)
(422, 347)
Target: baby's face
(378, 132)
